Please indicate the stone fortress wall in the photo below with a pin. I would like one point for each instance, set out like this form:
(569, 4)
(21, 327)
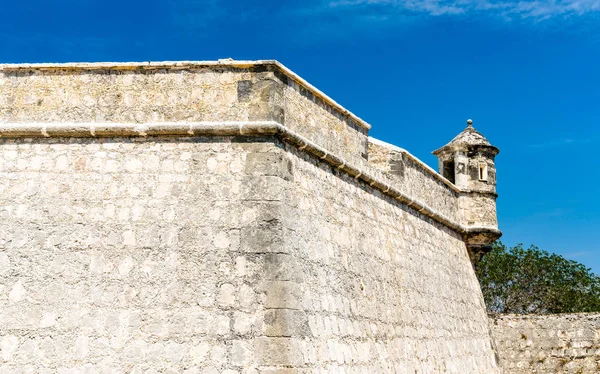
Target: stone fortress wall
(415, 179)
(221, 217)
(180, 92)
(384, 289)
(123, 255)
(560, 343)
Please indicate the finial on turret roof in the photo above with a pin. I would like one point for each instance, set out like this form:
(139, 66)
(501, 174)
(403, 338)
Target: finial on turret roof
(470, 123)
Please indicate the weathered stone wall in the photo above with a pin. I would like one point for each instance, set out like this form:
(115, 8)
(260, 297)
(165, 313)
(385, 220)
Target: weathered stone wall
(212, 254)
(134, 255)
(475, 159)
(307, 114)
(377, 288)
(415, 179)
(561, 343)
(252, 236)
(480, 209)
(194, 92)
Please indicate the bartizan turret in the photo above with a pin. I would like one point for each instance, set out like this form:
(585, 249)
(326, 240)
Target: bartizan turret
(468, 162)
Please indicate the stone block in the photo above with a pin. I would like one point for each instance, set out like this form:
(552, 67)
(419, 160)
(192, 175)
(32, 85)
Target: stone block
(278, 351)
(263, 238)
(272, 163)
(262, 188)
(286, 323)
(266, 96)
(282, 267)
(282, 294)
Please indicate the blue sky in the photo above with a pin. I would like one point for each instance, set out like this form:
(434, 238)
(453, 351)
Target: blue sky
(525, 71)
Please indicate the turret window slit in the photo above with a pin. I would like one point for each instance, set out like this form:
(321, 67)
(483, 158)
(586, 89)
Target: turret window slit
(483, 174)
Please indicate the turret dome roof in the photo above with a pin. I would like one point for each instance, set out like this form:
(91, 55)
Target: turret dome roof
(468, 137)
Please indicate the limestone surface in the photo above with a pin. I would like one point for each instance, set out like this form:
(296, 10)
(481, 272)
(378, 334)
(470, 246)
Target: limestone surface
(224, 217)
(561, 343)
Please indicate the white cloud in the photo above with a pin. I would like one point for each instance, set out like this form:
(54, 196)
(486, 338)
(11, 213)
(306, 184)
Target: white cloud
(524, 9)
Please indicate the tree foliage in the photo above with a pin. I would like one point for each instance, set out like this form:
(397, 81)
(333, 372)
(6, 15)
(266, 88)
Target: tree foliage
(522, 281)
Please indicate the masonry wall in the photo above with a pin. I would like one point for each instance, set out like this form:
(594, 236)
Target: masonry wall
(135, 255)
(190, 93)
(243, 254)
(307, 114)
(380, 288)
(415, 179)
(213, 93)
(562, 343)
(222, 255)
(480, 209)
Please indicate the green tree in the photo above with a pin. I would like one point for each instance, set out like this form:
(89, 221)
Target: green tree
(523, 281)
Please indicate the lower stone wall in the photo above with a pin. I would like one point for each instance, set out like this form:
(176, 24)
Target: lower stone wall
(561, 343)
(373, 286)
(132, 255)
(222, 255)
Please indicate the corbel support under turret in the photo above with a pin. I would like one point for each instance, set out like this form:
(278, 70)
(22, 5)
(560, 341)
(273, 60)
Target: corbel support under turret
(479, 241)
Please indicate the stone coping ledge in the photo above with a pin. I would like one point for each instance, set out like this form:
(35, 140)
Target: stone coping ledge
(182, 65)
(242, 128)
(98, 129)
(536, 316)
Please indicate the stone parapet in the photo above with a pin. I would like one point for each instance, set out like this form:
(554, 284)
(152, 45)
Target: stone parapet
(225, 90)
(415, 178)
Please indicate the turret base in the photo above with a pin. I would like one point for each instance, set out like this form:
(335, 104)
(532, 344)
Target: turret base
(479, 241)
